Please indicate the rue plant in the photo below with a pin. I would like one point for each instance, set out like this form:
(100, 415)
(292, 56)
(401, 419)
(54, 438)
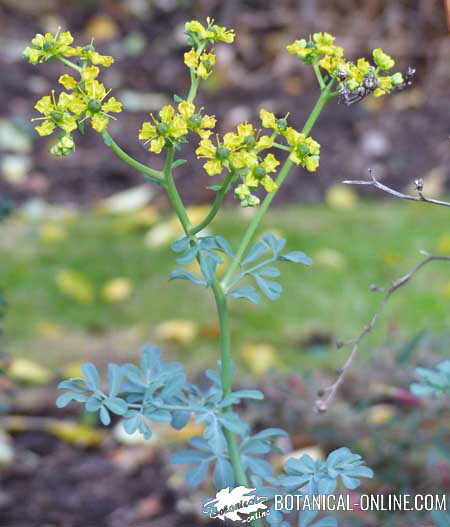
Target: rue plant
(252, 162)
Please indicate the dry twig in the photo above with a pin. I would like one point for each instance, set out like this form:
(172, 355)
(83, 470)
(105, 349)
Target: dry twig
(373, 182)
(327, 395)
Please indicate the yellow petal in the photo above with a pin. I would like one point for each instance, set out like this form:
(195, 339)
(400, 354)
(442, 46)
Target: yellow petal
(166, 113)
(264, 143)
(186, 109)
(245, 129)
(206, 148)
(147, 131)
(90, 73)
(77, 105)
(156, 145)
(65, 38)
(44, 105)
(68, 124)
(99, 123)
(267, 118)
(311, 163)
(191, 58)
(213, 167)
(269, 184)
(112, 105)
(208, 121)
(178, 126)
(102, 60)
(270, 163)
(68, 82)
(46, 128)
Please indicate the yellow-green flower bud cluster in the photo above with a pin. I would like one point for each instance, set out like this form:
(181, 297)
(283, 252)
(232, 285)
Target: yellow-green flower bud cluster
(172, 126)
(87, 97)
(199, 59)
(356, 79)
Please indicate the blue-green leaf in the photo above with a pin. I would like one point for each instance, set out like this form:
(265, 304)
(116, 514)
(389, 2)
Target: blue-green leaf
(188, 457)
(254, 253)
(275, 244)
(104, 416)
(114, 379)
(196, 475)
(224, 246)
(180, 419)
(180, 245)
(223, 475)
(92, 377)
(181, 274)
(269, 271)
(67, 397)
(270, 288)
(116, 405)
(188, 256)
(296, 257)
(246, 291)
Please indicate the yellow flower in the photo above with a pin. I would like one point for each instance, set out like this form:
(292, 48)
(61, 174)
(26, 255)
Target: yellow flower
(90, 73)
(321, 44)
(324, 45)
(55, 114)
(384, 86)
(305, 150)
(225, 154)
(191, 59)
(91, 102)
(171, 126)
(45, 47)
(300, 48)
(68, 82)
(195, 121)
(269, 120)
(382, 60)
(202, 64)
(212, 32)
(89, 54)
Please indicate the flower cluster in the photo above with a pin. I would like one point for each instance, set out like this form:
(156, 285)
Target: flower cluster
(172, 126)
(202, 64)
(356, 79)
(45, 47)
(87, 99)
(305, 151)
(199, 60)
(240, 152)
(199, 34)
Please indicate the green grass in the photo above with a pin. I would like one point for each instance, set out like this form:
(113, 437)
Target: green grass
(370, 243)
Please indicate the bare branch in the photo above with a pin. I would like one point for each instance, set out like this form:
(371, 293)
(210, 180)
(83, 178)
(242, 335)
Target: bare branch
(328, 394)
(373, 182)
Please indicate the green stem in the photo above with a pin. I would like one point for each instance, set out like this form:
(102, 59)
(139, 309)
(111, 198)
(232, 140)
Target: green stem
(222, 311)
(227, 379)
(251, 229)
(216, 204)
(153, 174)
(173, 194)
(318, 73)
(70, 64)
